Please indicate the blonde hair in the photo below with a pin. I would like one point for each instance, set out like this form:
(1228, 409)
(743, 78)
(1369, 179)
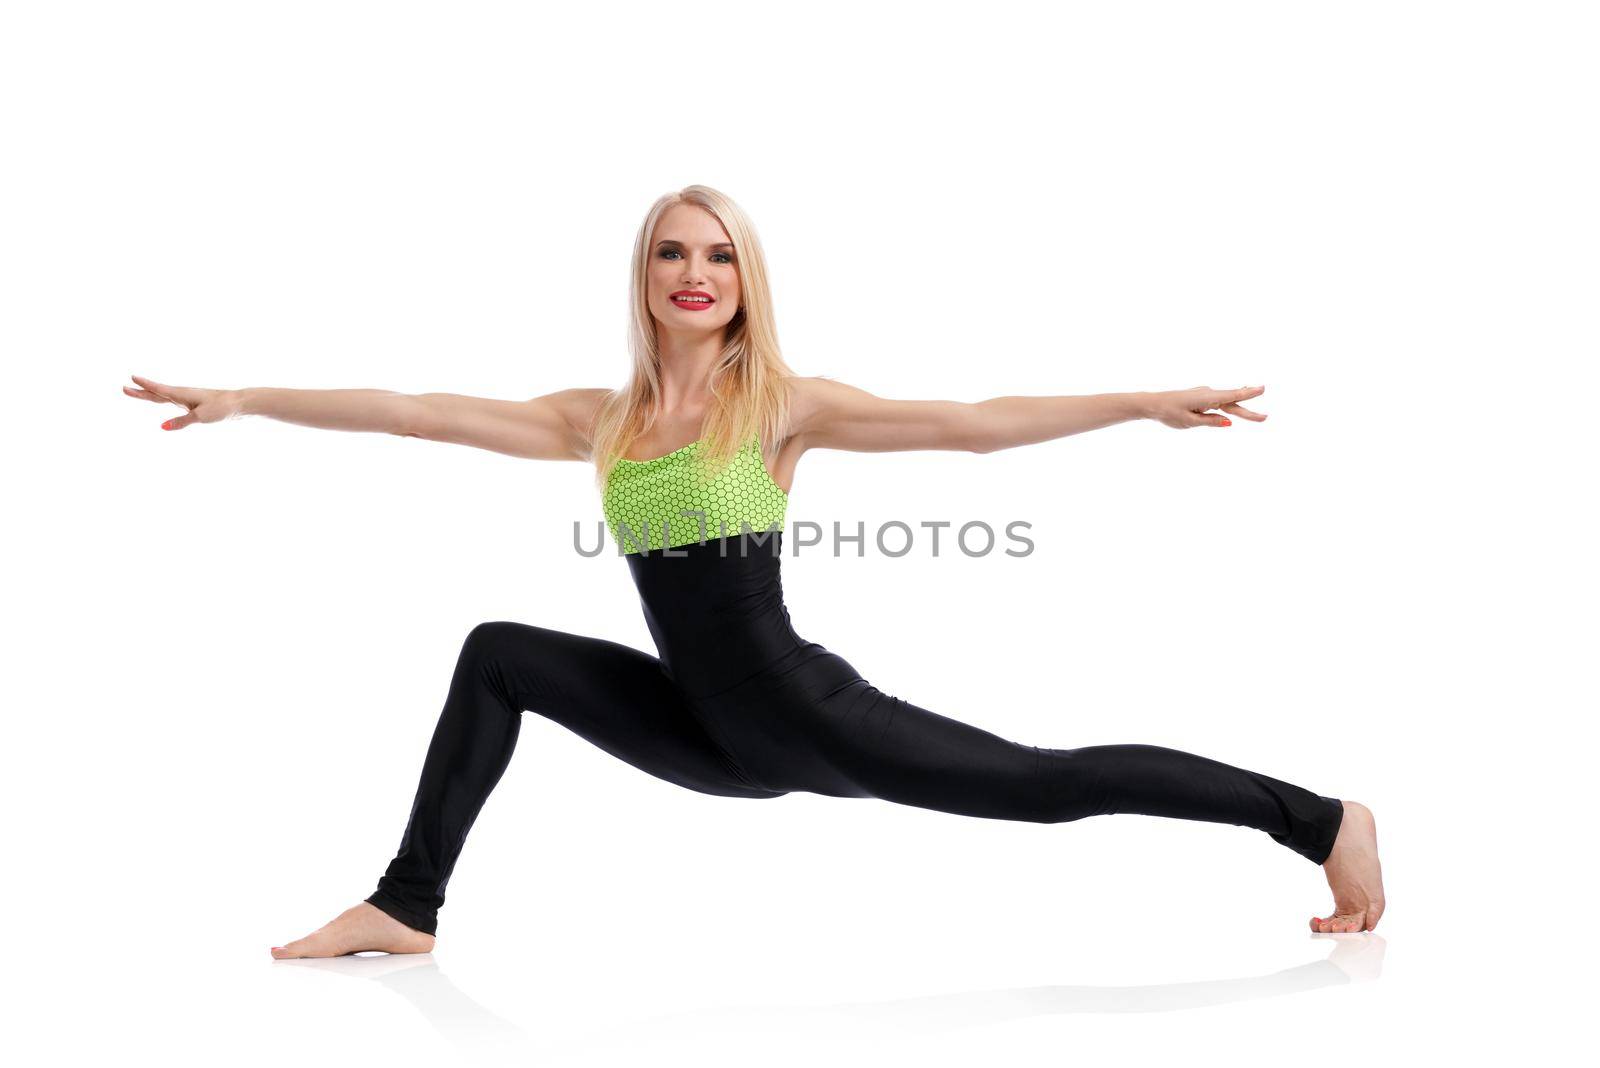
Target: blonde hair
(749, 392)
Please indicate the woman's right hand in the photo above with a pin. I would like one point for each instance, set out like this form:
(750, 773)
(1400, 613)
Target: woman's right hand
(204, 405)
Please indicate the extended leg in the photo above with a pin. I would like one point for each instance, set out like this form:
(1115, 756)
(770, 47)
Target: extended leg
(614, 696)
(895, 750)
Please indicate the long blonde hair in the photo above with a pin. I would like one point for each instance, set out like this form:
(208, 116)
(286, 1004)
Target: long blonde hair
(749, 392)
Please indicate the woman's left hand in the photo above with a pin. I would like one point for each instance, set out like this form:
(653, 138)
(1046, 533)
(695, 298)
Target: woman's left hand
(1185, 408)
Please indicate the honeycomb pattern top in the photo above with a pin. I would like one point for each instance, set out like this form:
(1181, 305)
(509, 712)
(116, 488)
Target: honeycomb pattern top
(644, 498)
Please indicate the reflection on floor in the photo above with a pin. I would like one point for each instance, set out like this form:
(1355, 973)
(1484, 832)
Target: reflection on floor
(476, 1031)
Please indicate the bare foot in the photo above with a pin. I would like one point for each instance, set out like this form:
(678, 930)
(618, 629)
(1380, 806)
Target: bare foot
(1353, 874)
(356, 930)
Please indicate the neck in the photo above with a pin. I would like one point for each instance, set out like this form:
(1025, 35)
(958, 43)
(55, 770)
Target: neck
(686, 363)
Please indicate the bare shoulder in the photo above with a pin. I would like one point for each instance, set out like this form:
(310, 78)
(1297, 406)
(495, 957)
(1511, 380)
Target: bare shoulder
(580, 405)
(828, 414)
(810, 398)
(569, 414)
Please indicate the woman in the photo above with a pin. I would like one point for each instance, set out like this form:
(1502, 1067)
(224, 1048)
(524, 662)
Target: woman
(738, 704)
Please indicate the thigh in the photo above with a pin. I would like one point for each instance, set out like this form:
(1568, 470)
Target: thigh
(851, 739)
(901, 752)
(612, 695)
(812, 723)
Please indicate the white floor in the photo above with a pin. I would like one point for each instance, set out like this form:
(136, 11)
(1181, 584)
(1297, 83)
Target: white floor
(1202, 996)
(780, 955)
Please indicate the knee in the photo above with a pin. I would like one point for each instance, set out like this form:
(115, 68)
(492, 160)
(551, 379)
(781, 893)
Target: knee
(486, 641)
(1067, 785)
(1044, 806)
(1068, 810)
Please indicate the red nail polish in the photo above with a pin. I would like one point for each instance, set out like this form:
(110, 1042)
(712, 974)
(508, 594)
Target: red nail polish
(167, 425)
(1227, 422)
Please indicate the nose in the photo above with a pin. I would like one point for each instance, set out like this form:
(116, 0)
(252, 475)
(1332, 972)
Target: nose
(694, 272)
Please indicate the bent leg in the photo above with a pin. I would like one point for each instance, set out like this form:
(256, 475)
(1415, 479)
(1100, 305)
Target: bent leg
(610, 694)
(899, 752)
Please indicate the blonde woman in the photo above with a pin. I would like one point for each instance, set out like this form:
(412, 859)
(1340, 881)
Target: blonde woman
(694, 460)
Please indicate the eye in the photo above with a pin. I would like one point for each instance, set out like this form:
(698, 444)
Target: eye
(716, 257)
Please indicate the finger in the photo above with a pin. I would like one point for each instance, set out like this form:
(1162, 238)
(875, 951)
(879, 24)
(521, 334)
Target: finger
(143, 394)
(178, 422)
(1215, 400)
(1246, 393)
(1213, 420)
(166, 393)
(1241, 410)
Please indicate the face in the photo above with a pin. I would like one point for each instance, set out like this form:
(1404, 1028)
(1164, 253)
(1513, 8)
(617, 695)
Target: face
(691, 256)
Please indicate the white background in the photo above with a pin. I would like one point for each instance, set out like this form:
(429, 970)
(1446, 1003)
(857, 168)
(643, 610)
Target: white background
(227, 647)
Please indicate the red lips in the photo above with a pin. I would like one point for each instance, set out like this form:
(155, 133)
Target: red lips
(692, 305)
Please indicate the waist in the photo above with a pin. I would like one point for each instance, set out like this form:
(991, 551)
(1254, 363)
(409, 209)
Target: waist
(715, 609)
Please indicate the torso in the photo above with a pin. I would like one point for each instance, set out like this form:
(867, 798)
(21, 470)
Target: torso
(662, 501)
(667, 438)
(780, 466)
(780, 459)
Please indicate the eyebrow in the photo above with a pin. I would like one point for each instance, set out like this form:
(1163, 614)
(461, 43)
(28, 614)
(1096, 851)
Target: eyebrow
(671, 241)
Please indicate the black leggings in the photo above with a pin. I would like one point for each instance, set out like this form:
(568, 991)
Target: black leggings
(807, 722)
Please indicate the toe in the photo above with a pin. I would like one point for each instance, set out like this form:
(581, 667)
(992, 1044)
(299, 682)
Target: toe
(297, 948)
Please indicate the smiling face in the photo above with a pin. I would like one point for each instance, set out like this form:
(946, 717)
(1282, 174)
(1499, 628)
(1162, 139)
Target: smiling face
(693, 280)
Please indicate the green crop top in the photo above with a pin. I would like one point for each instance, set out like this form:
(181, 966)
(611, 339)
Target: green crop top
(645, 497)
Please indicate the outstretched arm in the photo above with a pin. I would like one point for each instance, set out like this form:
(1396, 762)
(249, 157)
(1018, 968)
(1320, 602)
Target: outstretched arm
(551, 427)
(832, 415)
